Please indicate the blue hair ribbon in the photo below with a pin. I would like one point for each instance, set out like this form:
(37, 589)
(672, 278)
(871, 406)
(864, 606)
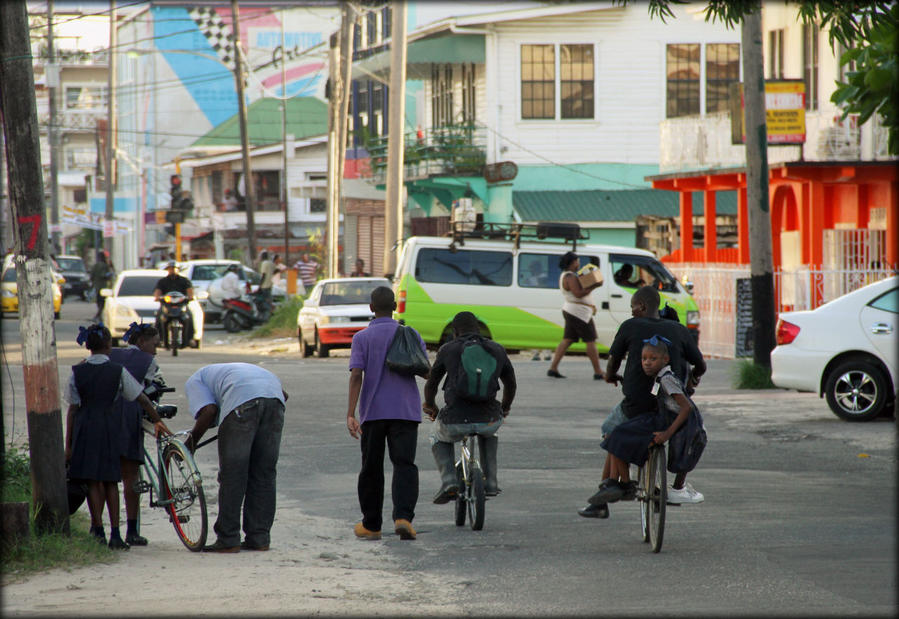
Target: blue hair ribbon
(84, 332)
(654, 340)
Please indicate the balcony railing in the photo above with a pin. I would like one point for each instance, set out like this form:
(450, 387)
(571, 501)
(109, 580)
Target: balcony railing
(452, 150)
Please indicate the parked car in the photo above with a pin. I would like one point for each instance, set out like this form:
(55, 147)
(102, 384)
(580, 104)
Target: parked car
(202, 273)
(844, 350)
(9, 289)
(78, 282)
(334, 311)
(131, 300)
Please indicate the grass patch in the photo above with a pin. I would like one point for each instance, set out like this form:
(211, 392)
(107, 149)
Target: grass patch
(39, 553)
(750, 375)
(283, 322)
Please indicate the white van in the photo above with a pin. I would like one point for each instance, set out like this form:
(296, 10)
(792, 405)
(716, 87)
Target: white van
(512, 286)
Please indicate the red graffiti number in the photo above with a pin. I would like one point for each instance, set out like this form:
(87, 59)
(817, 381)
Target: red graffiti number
(35, 221)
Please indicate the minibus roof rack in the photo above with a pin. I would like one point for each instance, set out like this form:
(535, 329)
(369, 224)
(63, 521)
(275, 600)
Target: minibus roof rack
(461, 230)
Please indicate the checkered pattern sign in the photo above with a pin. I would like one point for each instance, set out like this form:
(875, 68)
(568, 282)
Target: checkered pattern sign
(216, 31)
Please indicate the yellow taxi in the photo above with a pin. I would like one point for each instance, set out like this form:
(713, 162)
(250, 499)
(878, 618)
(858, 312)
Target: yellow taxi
(9, 291)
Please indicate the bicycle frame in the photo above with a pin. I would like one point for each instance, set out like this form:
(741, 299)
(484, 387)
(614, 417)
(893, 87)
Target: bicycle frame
(155, 471)
(466, 458)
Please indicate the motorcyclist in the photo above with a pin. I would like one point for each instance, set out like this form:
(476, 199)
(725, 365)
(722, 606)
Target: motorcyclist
(231, 288)
(173, 282)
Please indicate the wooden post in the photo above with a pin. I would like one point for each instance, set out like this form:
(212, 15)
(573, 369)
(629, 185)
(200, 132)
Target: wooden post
(760, 259)
(19, 112)
(393, 207)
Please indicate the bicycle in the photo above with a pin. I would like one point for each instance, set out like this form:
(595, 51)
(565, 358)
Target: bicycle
(175, 479)
(471, 499)
(652, 493)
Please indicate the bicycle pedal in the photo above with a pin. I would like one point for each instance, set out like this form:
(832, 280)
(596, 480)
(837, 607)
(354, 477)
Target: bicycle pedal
(141, 487)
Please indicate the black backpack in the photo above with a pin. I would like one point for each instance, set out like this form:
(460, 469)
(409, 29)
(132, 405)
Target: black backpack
(686, 446)
(477, 379)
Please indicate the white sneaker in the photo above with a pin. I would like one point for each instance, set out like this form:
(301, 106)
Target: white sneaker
(687, 494)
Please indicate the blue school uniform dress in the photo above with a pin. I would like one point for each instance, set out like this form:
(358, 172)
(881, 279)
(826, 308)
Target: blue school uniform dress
(138, 363)
(630, 440)
(96, 433)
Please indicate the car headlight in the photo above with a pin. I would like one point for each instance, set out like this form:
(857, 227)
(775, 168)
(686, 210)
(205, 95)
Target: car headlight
(693, 319)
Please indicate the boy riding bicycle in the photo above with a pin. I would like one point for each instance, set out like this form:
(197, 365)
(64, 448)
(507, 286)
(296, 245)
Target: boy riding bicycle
(473, 366)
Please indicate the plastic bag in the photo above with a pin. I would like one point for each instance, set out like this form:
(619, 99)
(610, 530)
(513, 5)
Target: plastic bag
(405, 355)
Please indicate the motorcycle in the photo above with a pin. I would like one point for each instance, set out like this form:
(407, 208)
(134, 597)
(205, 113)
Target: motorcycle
(245, 312)
(173, 317)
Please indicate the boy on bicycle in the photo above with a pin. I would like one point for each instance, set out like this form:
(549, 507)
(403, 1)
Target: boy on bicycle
(473, 365)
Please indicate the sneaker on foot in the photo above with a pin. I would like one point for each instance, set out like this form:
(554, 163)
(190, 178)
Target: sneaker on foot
(630, 490)
(609, 492)
(116, 543)
(245, 545)
(446, 494)
(594, 511)
(218, 546)
(363, 533)
(687, 494)
(554, 374)
(404, 529)
(133, 539)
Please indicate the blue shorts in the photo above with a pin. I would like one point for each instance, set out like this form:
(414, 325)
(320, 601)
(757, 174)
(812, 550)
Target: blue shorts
(615, 417)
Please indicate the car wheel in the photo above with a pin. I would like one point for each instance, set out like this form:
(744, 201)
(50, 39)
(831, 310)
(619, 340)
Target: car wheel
(321, 350)
(305, 349)
(856, 390)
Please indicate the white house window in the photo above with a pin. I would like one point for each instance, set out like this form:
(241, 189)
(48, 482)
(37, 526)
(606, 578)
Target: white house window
(722, 68)
(538, 81)
(576, 68)
(469, 92)
(442, 95)
(682, 71)
(776, 54)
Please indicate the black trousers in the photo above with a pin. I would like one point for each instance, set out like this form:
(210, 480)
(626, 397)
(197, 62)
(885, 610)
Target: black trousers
(401, 437)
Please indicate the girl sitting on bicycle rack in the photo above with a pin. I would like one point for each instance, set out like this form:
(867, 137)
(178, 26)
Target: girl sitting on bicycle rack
(93, 430)
(630, 441)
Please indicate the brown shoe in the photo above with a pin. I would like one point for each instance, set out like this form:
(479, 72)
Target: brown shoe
(244, 545)
(363, 533)
(404, 529)
(218, 546)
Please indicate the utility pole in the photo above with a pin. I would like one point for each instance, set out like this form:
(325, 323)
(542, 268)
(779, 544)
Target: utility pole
(340, 69)
(284, 144)
(760, 258)
(393, 207)
(4, 212)
(249, 189)
(18, 109)
(109, 223)
(52, 129)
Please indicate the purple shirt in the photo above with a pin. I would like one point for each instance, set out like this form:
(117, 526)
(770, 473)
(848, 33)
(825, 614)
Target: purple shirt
(385, 394)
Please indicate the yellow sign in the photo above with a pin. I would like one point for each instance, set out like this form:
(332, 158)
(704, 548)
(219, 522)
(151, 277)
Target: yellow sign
(784, 112)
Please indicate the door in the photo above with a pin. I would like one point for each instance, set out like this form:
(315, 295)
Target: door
(878, 321)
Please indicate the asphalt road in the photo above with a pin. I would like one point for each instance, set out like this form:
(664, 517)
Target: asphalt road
(799, 516)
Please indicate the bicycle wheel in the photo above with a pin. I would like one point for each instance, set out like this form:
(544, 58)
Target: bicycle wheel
(476, 499)
(183, 486)
(460, 506)
(643, 488)
(658, 497)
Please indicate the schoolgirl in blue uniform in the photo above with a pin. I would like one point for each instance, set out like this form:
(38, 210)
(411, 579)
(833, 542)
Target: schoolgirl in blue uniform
(139, 359)
(93, 429)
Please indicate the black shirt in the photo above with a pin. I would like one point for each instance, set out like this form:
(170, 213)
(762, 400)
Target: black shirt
(636, 385)
(177, 282)
(458, 410)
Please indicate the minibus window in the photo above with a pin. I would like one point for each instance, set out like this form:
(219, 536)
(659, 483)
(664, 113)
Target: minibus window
(463, 266)
(542, 270)
(636, 271)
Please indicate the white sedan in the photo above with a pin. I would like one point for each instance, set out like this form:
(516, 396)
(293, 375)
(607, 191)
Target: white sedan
(844, 350)
(335, 310)
(131, 300)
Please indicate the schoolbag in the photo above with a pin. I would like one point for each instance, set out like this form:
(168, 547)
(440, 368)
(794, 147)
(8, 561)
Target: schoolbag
(477, 379)
(686, 446)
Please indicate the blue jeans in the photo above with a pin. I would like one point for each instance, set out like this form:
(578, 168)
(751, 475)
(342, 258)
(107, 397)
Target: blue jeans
(454, 432)
(249, 439)
(615, 417)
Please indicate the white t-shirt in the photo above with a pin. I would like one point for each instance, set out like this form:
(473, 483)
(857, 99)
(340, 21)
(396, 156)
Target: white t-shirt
(231, 288)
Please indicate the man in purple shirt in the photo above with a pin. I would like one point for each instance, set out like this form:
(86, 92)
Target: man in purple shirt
(389, 411)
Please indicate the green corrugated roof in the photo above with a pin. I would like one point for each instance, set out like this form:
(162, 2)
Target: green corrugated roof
(306, 117)
(600, 205)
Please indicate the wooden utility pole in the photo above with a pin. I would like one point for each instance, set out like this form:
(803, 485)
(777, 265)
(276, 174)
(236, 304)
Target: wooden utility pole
(340, 69)
(760, 258)
(284, 144)
(109, 223)
(33, 278)
(249, 188)
(393, 207)
(53, 129)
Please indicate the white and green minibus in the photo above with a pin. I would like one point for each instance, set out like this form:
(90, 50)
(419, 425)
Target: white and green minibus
(513, 288)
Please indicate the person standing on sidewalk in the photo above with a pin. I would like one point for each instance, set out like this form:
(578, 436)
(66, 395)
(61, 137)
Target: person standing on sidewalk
(461, 415)
(246, 402)
(102, 275)
(308, 270)
(577, 310)
(139, 360)
(267, 271)
(389, 411)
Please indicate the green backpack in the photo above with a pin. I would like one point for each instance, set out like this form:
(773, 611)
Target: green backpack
(478, 377)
